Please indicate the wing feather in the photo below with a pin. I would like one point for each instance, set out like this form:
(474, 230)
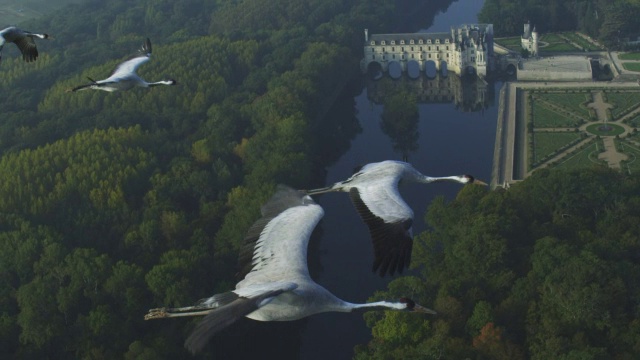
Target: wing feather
(133, 63)
(391, 235)
(280, 238)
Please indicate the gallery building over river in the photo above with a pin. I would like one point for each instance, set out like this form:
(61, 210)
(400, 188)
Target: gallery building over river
(465, 49)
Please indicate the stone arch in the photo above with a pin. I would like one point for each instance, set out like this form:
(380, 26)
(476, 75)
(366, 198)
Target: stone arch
(430, 68)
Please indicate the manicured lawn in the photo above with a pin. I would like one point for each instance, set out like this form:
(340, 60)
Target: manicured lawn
(546, 143)
(586, 157)
(630, 56)
(635, 122)
(555, 44)
(512, 43)
(574, 102)
(543, 117)
(622, 101)
(632, 165)
(616, 129)
(631, 66)
(580, 41)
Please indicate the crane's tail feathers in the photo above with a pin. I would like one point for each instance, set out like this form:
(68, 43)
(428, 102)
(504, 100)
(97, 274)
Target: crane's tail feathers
(224, 316)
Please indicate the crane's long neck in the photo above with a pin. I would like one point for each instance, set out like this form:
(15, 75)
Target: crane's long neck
(162, 82)
(378, 305)
(429, 179)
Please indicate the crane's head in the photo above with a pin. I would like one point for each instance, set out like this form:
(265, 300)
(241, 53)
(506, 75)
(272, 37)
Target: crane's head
(411, 305)
(468, 179)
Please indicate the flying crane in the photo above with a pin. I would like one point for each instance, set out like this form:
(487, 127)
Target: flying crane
(278, 286)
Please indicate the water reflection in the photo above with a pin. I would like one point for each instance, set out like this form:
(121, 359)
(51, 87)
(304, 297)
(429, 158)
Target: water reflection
(467, 93)
(400, 121)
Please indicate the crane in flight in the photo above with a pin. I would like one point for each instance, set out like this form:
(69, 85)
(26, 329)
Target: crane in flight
(124, 77)
(278, 286)
(374, 193)
(24, 40)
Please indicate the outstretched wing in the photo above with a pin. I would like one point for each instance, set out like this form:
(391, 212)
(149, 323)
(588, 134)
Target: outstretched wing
(276, 244)
(131, 65)
(25, 43)
(389, 220)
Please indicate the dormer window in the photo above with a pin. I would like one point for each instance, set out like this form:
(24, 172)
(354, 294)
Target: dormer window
(393, 42)
(429, 41)
(382, 42)
(420, 41)
(446, 41)
(411, 42)
(373, 43)
(401, 42)
(437, 41)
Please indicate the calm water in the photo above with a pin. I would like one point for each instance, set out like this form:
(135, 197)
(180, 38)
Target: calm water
(449, 142)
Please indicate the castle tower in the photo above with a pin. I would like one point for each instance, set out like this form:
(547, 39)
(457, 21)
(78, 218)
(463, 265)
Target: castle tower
(534, 40)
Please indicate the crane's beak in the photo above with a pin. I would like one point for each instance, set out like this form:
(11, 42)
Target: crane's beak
(479, 182)
(422, 309)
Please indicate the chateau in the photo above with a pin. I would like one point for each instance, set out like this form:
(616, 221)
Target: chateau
(529, 40)
(465, 49)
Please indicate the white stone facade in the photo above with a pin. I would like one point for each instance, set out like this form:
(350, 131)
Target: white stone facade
(529, 40)
(467, 48)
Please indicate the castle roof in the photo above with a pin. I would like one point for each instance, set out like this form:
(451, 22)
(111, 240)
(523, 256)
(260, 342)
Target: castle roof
(416, 37)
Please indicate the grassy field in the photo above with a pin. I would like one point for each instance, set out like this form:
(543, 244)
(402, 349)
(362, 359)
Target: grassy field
(546, 143)
(512, 43)
(615, 129)
(544, 117)
(555, 43)
(632, 165)
(586, 157)
(630, 56)
(13, 12)
(573, 102)
(622, 102)
(631, 66)
(580, 41)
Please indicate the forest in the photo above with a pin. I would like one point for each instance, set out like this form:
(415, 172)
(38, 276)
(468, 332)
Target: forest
(114, 203)
(547, 269)
(610, 21)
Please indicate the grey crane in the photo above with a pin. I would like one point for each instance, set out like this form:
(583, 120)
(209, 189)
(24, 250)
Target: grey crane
(278, 286)
(24, 40)
(124, 76)
(374, 193)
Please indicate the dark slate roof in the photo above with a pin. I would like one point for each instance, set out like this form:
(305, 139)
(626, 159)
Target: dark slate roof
(387, 38)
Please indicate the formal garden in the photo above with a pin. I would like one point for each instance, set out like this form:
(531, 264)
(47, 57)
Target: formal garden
(563, 128)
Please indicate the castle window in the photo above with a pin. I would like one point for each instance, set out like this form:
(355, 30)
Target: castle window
(411, 41)
(437, 48)
(420, 41)
(393, 48)
(429, 48)
(393, 42)
(382, 42)
(402, 49)
(394, 56)
(373, 43)
(402, 42)
(429, 56)
(428, 41)
(447, 48)
(437, 41)
(446, 41)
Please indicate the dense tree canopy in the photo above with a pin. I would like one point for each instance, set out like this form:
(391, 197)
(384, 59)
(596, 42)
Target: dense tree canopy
(608, 20)
(112, 203)
(545, 270)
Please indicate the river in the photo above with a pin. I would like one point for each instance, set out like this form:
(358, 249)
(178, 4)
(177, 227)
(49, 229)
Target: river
(450, 141)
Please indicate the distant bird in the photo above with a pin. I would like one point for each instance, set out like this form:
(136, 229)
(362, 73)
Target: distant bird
(23, 40)
(374, 192)
(278, 286)
(124, 77)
